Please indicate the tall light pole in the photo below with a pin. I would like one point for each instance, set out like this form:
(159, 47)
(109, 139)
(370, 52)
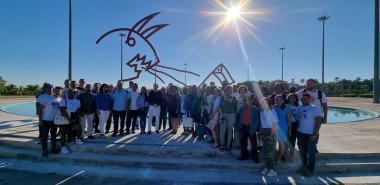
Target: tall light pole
(70, 28)
(376, 81)
(121, 55)
(282, 63)
(185, 74)
(323, 19)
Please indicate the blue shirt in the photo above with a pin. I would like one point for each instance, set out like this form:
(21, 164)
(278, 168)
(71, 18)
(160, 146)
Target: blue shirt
(103, 101)
(120, 99)
(282, 115)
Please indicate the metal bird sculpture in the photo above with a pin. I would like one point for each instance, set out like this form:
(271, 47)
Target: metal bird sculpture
(221, 73)
(140, 62)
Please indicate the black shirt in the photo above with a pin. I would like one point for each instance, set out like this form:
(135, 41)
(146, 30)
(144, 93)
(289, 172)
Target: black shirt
(155, 98)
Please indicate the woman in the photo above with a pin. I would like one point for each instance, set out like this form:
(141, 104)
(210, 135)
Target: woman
(269, 122)
(197, 108)
(103, 106)
(293, 106)
(215, 115)
(248, 123)
(173, 108)
(164, 109)
(228, 108)
(143, 105)
(70, 109)
(284, 127)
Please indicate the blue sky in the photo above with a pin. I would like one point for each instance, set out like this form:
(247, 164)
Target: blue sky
(34, 39)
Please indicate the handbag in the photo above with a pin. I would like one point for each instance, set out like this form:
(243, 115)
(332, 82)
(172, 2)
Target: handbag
(61, 120)
(187, 121)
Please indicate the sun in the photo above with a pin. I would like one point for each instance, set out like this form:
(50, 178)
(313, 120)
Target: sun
(234, 13)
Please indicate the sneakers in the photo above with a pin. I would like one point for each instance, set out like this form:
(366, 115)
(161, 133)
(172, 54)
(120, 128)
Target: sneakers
(157, 131)
(79, 142)
(271, 173)
(64, 150)
(149, 132)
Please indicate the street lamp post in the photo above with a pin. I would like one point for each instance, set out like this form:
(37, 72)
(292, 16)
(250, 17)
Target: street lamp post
(70, 28)
(323, 19)
(185, 74)
(282, 63)
(376, 80)
(121, 55)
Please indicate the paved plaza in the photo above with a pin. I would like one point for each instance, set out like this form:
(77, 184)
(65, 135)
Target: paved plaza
(349, 153)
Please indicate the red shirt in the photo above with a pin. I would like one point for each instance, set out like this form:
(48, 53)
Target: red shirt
(246, 116)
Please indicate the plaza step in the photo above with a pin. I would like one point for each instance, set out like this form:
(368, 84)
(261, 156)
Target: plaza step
(178, 163)
(100, 146)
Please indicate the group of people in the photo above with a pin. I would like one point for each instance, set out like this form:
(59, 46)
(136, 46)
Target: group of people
(227, 116)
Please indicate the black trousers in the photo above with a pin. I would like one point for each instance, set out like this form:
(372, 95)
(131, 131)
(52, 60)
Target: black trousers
(109, 121)
(245, 135)
(293, 137)
(163, 119)
(46, 127)
(116, 116)
(132, 119)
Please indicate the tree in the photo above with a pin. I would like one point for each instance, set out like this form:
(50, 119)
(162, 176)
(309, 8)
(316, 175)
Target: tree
(2, 84)
(302, 80)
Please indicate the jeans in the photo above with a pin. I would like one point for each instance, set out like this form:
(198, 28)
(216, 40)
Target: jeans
(87, 119)
(245, 135)
(153, 111)
(269, 147)
(307, 150)
(131, 120)
(142, 114)
(116, 116)
(46, 127)
(226, 125)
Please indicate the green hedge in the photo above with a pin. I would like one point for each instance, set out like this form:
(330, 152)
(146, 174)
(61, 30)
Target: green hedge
(349, 95)
(366, 96)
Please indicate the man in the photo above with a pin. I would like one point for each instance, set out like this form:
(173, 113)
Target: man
(278, 90)
(87, 111)
(95, 88)
(48, 108)
(133, 110)
(43, 91)
(65, 89)
(130, 86)
(81, 85)
(73, 86)
(318, 99)
(310, 119)
(154, 100)
(120, 97)
(95, 91)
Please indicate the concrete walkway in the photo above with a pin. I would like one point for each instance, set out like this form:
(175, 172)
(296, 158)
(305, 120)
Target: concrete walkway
(351, 137)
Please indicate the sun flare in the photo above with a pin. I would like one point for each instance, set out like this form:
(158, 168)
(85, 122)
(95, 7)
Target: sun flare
(233, 13)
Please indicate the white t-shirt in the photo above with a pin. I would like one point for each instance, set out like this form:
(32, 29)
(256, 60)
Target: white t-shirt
(51, 106)
(268, 118)
(72, 104)
(306, 116)
(134, 96)
(314, 97)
